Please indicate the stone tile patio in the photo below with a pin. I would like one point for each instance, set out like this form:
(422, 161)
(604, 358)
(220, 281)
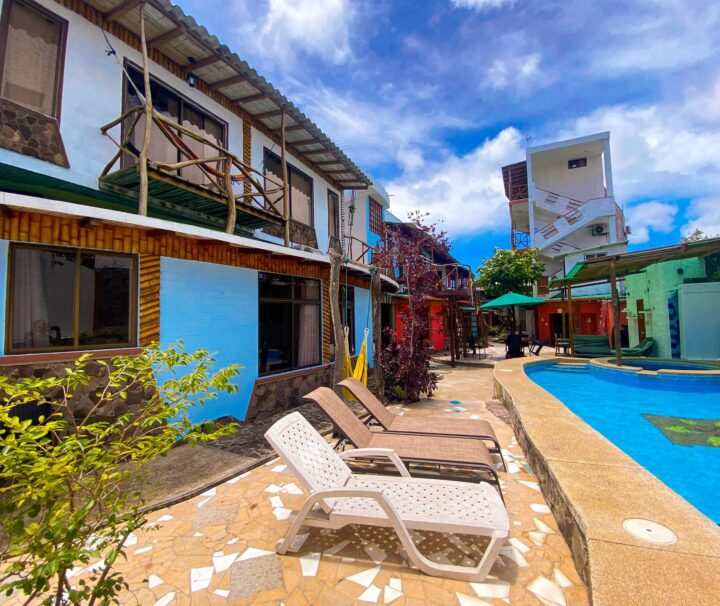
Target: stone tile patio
(219, 547)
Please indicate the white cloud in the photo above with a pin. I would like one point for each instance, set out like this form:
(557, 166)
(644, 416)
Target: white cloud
(465, 192)
(482, 5)
(703, 214)
(519, 72)
(320, 28)
(650, 216)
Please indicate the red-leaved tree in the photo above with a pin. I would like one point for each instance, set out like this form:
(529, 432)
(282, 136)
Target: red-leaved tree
(406, 250)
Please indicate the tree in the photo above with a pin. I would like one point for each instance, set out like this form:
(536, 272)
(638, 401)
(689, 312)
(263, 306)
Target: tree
(70, 488)
(509, 271)
(406, 360)
(695, 236)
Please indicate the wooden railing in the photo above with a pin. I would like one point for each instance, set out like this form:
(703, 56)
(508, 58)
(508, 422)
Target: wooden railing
(358, 250)
(221, 169)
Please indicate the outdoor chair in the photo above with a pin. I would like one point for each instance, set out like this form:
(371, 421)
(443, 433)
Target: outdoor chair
(477, 429)
(535, 347)
(338, 497)
(422, 450)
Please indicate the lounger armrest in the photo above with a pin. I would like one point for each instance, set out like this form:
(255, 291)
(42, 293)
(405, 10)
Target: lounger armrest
(375, 453)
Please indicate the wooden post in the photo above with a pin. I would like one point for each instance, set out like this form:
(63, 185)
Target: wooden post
(376, 297)
(143, 159)
(571, 320)
(286, 192)
(453, 333)
(563, 327)
(616, 313)
(336, 261)
(232, 208)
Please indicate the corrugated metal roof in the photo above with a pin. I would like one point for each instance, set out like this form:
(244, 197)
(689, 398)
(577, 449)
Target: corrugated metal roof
(178, 36)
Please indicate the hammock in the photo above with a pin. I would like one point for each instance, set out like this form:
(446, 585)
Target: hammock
(360, 372)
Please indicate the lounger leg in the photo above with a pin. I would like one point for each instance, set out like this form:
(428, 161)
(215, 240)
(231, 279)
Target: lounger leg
(296, 526)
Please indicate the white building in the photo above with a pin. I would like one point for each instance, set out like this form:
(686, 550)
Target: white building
(562, 202)
(363, 215)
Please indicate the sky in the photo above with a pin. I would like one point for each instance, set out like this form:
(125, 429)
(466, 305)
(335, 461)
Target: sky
(432, 97)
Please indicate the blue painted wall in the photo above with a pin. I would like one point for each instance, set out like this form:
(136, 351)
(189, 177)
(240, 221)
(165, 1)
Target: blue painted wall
(4, 260)
(363, 320)
(215, 307)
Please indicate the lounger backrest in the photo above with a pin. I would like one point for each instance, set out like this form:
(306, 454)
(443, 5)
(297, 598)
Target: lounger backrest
(340, 414)
(367, 398)
(307, 453)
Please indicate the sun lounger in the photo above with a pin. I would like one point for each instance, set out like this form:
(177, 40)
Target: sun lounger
(477, 429)
(339, 497)
(425, 450)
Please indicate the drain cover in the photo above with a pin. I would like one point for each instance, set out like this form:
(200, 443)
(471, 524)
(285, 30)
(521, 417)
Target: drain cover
(652, 532)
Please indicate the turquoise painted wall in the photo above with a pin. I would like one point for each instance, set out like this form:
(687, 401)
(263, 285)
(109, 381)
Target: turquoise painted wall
(654, 286)
(215, 307)
(4, 259)
(363, 320)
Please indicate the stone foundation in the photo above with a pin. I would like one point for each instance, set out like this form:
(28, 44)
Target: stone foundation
(30, 133)
(299, 233)
(272, 395)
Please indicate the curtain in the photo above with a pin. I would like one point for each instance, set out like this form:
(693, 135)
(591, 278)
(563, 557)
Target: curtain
(30, 319)
(308, 340)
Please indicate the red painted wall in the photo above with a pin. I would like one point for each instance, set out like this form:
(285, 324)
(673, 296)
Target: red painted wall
(437, 322)
(587, 317)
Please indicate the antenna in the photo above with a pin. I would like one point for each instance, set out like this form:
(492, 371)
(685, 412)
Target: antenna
(528, 140)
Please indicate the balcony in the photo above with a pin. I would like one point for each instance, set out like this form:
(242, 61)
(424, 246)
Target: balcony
(207, 180)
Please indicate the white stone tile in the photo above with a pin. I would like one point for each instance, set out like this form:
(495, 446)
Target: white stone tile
(371, 594)
(365, 577)
(130, 540)
(378, 555)
(209, 493)
(233, 541)
(252, 552)
(166, 599)
(309, 564)
(561, 579)
(532, 485)
(395, 583)
(200, 578)
(547, 591)
(273, 489)
(223, 593)
(164, 518)
(542, 526)
(518, 544)
(282, 513)
(537, 537)
(238, 478)
(515, 555)
(154, 581)
(512, 467)
(540, 508)
(276, 501)
(142, 550)
(492, 588)
(198, 534)
(469, 600)
(202, 503)
(335, 549)
(390, 594)
(222, 562)
(279, 468)
(292, 488)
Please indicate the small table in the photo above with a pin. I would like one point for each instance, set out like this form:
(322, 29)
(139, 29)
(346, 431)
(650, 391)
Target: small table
(562, 345)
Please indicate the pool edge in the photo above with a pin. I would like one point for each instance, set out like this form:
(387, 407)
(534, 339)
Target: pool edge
(670, 574)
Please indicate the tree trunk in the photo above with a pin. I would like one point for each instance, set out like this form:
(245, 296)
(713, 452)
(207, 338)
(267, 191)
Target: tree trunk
(336, 260)
(376, 294)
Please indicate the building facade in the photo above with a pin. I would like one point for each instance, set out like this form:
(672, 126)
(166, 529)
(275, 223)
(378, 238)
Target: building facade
(85, 267)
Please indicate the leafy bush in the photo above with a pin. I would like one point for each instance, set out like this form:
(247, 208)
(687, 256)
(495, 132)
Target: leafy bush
(69, 489)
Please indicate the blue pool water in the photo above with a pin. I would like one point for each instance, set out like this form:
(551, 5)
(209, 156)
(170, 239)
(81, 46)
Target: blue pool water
(651, 365)
(613, 403)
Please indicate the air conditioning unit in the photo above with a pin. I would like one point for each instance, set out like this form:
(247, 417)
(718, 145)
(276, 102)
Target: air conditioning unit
(598, 230)
(628, 231)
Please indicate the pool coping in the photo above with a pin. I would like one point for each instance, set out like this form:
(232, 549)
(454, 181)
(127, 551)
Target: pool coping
(592, 487)
(609, 363)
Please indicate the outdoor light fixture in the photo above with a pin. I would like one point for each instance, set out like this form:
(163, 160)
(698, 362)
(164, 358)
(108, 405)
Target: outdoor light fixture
(192, 79)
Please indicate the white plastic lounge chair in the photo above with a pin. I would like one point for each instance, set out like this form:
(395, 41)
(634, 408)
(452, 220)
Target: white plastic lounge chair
(403, 503)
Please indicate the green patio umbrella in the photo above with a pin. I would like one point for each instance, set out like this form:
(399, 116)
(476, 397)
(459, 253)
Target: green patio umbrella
(510, 300)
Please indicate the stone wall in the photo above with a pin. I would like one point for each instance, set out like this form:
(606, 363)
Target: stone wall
(299, 233)
(276, 394)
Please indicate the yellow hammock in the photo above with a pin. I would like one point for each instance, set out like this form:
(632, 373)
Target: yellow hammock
(360, 372)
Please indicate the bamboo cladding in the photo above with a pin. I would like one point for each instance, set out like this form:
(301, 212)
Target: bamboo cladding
(150, 245)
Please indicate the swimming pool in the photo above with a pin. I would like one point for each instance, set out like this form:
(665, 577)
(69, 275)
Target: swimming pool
(665, 365)
(625, 408)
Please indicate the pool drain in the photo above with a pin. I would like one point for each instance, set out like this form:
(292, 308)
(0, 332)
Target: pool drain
(652, 532)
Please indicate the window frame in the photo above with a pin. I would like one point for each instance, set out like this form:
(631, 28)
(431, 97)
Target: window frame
(292, 301)
(292, 169)
(62, 47)
(181, 99)
(577, 163)
(333, 217)
(373, 220)
(133, 303)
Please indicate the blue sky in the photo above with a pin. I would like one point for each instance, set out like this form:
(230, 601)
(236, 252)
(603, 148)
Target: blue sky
(432, 97)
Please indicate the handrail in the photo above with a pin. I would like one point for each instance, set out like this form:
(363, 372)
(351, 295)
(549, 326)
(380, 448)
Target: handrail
(219, 180)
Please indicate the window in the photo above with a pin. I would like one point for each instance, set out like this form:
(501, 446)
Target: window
(301, 189)
(32, 51)
(289, 332)
(333, 214)
(64, 298)
(347, 313)
(595, 255)
(376, 217)
(172, 105)
(577, 163)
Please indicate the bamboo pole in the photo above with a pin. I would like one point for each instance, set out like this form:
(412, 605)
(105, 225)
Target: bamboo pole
(232, 208)
(453, 334)
(286, 197)
(376, 293)
(563, 327)
(143, 160)
(336, 260)
(616, 313)
(571, 320)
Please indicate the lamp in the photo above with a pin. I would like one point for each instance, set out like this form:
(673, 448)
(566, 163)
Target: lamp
(191, 78)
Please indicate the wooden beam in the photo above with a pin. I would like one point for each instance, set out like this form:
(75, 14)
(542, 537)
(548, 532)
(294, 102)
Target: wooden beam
(309, 141)
(616, 313)
(293, 128)
(337, 170)
(324, 162)
(269, 114)
(6, 212)
(286, 191)
(158, 233)
(166, 37)
(237, 79)
(200, 63)
(251, 98)
(89, 222)
(571, 320)
(120, 10)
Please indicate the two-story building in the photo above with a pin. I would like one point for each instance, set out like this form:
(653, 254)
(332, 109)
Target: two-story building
(562, 202)
(200, 207)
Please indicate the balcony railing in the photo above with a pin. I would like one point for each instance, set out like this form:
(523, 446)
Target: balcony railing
(227, 188)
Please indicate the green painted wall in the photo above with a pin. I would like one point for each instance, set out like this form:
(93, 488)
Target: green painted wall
(654, 286)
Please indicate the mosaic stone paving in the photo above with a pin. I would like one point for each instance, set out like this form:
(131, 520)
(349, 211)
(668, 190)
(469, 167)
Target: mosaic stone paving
(219, 547)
